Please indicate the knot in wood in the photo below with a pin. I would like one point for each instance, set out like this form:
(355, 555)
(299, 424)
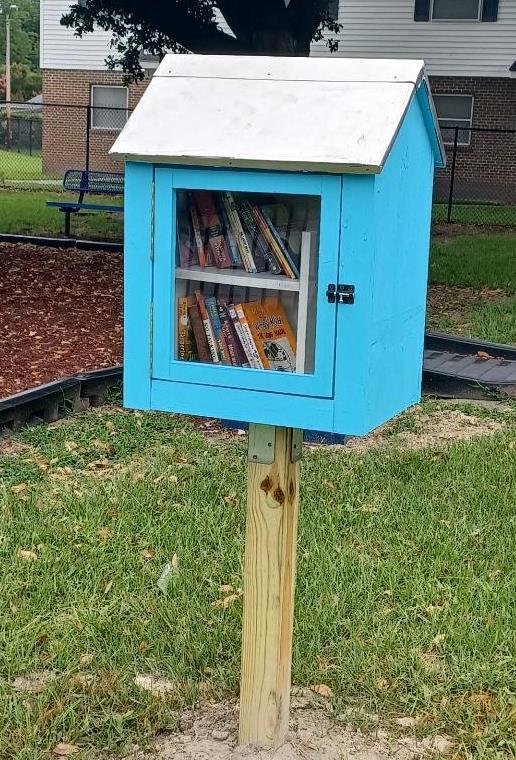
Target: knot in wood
(266, 484)
(279, 495)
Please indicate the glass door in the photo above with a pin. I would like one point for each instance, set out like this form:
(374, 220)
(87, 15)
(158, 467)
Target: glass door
(238, 261)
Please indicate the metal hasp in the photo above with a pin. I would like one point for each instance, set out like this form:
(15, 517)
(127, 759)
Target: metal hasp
(340, 293)
(331, 292)
(262, 444)
(346, 294)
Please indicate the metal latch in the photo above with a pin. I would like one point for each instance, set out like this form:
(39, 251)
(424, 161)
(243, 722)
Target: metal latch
(340, 293)
(330, 292)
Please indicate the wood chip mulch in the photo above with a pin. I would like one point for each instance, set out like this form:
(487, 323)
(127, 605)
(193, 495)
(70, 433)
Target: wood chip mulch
(60, 313)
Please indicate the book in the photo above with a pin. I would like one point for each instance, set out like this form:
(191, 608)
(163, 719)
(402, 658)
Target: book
(237, 327)
(234, 253)
(201, 342)
(210, 221)
(272, 334)
(274, 242)
(236, 352)
(238, 232)
(263, 254)
(216, 324)
(284, 254)
(185, 236)
(197, 234)
(245, 336)
(186, 350)
(208, 329)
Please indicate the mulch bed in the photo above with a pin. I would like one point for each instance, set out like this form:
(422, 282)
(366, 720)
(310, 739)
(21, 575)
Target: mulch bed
(60, 313)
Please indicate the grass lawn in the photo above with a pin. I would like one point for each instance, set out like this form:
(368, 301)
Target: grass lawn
(495, 321)
(15, 165)
(405, 594)
(476, 213)
(484, 268)
(25, 212)
(475, 260)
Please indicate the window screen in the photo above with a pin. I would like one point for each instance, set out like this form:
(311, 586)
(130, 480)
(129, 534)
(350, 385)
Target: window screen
(454, 111)
(109, 107)
(456, 9)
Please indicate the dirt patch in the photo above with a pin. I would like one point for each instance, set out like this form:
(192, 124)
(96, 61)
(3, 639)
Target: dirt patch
(210, 733)
(452, 305)
(33, 683)
(414, 429)
(419, 430)
(445, 231)
(61, 313)
(11, 446)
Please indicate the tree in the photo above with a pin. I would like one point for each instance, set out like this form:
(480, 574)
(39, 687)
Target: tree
(267, 27)
(25, 82)
(24, 32)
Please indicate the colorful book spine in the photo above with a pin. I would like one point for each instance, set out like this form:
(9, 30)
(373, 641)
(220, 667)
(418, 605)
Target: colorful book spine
(236, 259)
(213, 314)
(225, 356)
(182, 328)
(238, 232)
(209, 218)
(208, 329)
(234, 346)
(185, 236)
(242, 336)
(201, 342)
(247, 339)
(281, 245)
(263, 254)
(198, 238)
(273, 243)
(185, 338)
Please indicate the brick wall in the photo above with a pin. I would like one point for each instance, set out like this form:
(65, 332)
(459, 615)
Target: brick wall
(65, 126)
(485, 169)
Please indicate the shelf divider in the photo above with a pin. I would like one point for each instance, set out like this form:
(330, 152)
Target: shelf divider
(265, 280)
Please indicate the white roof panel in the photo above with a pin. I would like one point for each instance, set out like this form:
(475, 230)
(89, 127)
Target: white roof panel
(312, 114)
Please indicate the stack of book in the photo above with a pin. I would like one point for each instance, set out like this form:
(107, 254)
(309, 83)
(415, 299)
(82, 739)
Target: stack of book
(254, 334)
(224, 229)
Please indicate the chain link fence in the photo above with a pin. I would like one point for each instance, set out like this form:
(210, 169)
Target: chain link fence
(39, 142)
(478, 186)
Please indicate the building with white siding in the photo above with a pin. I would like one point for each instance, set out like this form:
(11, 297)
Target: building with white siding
(469, 47)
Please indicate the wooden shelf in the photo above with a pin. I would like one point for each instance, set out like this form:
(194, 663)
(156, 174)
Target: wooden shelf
(238, 277)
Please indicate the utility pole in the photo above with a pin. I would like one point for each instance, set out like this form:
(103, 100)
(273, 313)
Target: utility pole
(8, 69)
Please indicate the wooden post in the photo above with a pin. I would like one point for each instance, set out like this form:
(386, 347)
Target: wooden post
(269, 581)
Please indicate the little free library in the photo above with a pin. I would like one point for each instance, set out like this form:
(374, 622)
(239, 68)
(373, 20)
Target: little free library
(277, 225)
(277, 235)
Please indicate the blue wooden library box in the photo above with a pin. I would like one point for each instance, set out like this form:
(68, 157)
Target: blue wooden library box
(277, 222)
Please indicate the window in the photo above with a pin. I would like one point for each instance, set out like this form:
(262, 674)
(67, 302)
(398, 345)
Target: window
(333, 9)
(465, 10)
(454, 111)
(109, 107)
(456, 10)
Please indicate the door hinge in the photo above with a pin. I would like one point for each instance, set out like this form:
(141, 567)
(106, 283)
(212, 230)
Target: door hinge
(340, 293)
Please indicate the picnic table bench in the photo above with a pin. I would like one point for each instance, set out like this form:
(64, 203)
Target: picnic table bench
(85, 181)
